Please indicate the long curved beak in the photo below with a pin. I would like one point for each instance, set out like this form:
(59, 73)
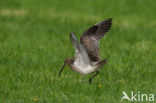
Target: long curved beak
(61, 70)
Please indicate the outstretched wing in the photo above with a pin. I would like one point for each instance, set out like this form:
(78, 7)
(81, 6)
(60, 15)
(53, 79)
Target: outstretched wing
(80, 52)
(90, 38)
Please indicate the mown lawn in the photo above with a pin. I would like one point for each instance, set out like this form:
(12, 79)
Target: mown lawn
(34, 41)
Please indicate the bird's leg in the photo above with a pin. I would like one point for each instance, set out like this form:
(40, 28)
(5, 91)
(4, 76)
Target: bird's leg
(90, 80)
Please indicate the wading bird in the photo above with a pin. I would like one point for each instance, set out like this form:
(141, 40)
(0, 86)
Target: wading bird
(87, 60)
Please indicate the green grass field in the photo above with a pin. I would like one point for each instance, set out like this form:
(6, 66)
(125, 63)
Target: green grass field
(34, 41)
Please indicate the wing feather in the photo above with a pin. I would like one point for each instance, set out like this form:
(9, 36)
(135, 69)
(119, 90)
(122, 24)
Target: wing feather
(80, 52)
(91, 37)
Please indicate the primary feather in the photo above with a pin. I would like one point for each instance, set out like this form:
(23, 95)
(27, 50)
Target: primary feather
(90, 38)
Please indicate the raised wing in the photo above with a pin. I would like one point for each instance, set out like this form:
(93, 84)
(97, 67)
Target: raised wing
(90, 38)
(80, 52)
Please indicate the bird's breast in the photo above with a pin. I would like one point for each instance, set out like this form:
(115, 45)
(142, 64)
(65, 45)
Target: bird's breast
(83, 68)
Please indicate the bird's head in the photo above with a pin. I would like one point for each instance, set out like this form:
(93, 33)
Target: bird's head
(67, 61)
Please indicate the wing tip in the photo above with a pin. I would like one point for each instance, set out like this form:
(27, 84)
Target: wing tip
(72, 36)
(110, 20)
(71, 33)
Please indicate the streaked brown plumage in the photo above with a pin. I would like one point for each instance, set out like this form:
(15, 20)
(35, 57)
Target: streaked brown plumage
(90, 38)
(87, 58)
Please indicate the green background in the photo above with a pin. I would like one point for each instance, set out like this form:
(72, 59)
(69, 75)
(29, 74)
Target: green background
(34, 41)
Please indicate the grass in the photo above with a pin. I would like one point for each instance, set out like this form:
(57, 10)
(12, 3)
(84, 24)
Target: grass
(34, 41)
